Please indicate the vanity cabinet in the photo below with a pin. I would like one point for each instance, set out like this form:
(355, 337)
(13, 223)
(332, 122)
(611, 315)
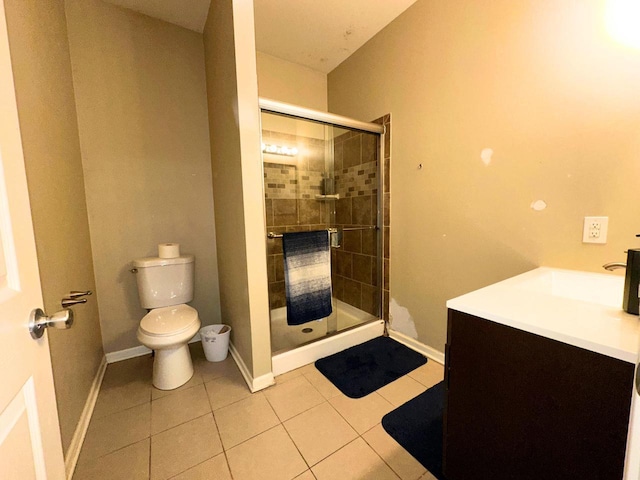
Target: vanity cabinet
(523, 406)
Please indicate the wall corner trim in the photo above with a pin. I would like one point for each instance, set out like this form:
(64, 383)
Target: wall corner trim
(419, 347)
(83, 424)
(255, 384)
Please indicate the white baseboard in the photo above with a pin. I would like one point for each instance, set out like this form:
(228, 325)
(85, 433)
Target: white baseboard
(255, 384)
(127, 353)
(138, 351)
(419, 347)
(262, 382)
(298, 357)
(83, 424)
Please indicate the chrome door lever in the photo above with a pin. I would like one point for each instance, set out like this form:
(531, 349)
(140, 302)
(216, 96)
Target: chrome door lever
(78, 294)
(69, 302)
(74, 297)
(38, 321)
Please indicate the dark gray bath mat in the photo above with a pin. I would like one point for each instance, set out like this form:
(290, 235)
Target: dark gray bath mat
(361, 370)
(417, 426)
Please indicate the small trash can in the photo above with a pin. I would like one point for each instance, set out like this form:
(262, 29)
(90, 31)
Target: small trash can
(215, 342)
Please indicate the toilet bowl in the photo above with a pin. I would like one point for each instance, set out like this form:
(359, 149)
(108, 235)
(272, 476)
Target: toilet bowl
(165, 285)
(167, 330)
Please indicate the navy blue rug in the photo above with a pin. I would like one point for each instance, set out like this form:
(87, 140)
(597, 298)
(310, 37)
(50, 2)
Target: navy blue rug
(361, 370)
(417, 426)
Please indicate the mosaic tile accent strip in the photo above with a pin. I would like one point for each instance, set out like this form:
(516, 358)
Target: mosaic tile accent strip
(357, 181)
(284, 181)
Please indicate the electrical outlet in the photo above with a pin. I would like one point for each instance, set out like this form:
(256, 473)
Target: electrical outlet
(595, 229)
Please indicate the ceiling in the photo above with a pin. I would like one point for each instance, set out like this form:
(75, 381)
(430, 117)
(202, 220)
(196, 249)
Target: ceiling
(317, 34)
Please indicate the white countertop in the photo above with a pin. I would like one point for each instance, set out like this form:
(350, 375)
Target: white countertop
(578, 308)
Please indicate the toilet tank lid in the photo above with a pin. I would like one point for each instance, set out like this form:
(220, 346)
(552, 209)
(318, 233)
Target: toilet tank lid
(161, 262)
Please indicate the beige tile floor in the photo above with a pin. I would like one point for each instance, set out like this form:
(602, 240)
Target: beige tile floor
(302, 428)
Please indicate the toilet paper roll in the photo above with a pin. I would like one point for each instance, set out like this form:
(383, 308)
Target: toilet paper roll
(169, 250)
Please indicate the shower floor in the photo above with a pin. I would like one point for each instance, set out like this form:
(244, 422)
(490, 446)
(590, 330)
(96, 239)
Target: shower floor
(286, 337)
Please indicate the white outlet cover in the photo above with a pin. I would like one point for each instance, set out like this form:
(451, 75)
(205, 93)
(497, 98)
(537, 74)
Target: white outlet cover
(595, 230)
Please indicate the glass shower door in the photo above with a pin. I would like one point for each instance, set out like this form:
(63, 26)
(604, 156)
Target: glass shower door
(298, 165)
(320, 177)
(357, 268)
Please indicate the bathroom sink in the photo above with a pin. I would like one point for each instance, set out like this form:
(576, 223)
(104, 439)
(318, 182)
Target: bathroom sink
(579, 308)
(599, 288)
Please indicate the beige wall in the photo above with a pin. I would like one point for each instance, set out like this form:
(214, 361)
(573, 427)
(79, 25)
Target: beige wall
(142, 114)
(542, 85)
(291, 83)
(48, 123)
(237, 179)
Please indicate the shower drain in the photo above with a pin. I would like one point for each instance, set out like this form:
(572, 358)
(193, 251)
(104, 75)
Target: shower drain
(307, 330)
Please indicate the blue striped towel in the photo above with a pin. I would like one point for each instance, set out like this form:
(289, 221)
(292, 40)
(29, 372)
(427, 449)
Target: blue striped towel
(307, 275)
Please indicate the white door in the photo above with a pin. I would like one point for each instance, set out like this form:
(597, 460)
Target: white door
(30, 446)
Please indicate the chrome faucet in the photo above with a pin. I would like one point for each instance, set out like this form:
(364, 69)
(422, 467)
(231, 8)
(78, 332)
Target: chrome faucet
(630, 300)
(614, 266)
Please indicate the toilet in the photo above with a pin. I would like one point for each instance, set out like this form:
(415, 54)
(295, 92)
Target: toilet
(165, 285)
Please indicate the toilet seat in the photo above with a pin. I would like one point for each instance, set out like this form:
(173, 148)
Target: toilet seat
(168, 321)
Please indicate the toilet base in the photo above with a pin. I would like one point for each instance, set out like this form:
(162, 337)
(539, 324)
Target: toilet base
(172, 367)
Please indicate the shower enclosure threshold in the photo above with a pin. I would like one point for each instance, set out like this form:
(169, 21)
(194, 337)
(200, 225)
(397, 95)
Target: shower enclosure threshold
(290, 360)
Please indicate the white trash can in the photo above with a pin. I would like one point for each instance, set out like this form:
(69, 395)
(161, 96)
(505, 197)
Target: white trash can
(215, 342)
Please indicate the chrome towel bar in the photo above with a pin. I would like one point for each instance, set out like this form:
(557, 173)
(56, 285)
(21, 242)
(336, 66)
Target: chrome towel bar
(330, 230)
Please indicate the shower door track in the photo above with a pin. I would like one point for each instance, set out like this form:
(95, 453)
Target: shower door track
(273, 106)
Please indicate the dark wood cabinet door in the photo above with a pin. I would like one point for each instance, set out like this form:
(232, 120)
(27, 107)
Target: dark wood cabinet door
(521, 406)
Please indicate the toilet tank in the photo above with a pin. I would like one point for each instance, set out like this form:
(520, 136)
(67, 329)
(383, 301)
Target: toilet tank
(163, 282)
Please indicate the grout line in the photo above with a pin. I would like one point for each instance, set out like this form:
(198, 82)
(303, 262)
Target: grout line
(183, 422)
(296, 447)
(86, 462)
(224, 450)
(339, 448)
(376, 452)
(173, 392)
(251, 438)
(150, 436)
(149, 453)
(232, 403)
(124, 410)
(198, 464)
(206, 459)
(306, 410)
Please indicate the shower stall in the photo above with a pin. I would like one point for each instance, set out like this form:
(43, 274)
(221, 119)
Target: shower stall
(322, 172)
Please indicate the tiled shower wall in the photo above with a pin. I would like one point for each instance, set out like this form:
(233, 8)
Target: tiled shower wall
(355, 273)
(290, 190)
